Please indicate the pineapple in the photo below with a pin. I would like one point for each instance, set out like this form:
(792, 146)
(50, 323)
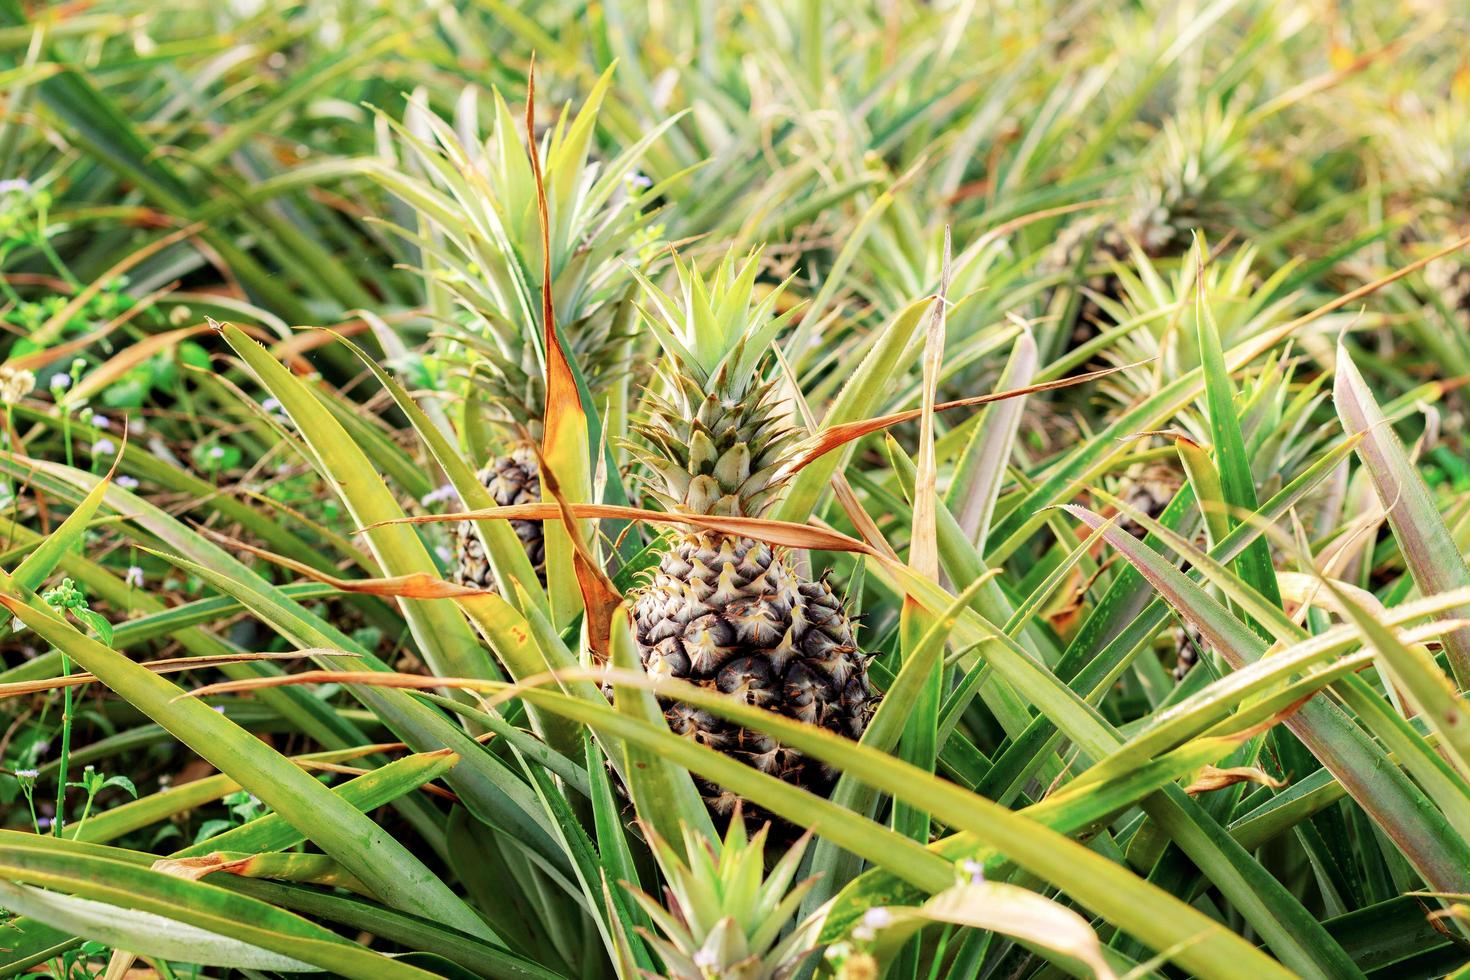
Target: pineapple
(1188, 644)
(511, 479)
(726, 916)
(1149, 490)
(478, 232)
(725, 612)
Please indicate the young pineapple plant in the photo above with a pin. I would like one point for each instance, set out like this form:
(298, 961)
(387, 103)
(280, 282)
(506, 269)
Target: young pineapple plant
(1196, 176)
(478, 231)
(726, 612)
(1166, 344)
(726, 917)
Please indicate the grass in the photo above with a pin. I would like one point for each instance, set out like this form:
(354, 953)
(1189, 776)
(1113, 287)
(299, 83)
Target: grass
(1123, 349)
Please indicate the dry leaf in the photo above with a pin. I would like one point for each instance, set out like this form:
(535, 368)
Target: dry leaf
(1211, 779)
(837, 436)
(782, 533)
(418, 585)
(17, 689)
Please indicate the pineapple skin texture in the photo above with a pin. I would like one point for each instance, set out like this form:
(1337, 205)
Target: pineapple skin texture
(511, 479)
(730, 614)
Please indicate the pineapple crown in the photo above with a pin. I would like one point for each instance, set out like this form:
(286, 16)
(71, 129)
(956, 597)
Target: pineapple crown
(1428, 142)
(477, 230)
(715, 430)
(1198, 163)
(713, 325)
(726, 916)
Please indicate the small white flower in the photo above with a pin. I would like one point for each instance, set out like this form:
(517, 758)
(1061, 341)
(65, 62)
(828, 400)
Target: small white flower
(444, 553)
(15, 384)
(127, 482)
(706, 959)
(60, 381)
(272, 405)
(89, 769)
(134, 577)
(638, 181)
(973, 871)
(104, 447)
(217, 707)
(101, 421)
(27, 773)
(15, 185)
(216, 452)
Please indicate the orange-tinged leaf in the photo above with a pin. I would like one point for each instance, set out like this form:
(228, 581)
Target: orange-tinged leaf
(564, 443)
(840, 435)
(171, 666)
(599, 596)
(416, 585)
(841, 488)
(783, 533)
(563, 405)
(1460, 82)
(368, 678)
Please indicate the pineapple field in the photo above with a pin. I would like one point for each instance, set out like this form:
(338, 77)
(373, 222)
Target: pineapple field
(914, 489)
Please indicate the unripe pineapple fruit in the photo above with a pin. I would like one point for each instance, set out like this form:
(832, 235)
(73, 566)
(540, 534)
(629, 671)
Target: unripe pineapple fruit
(514, 478)
(725, 612)
(1149, 489)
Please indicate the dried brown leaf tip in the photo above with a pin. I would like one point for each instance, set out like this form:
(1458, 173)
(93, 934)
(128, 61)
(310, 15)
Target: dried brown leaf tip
(1210, 779)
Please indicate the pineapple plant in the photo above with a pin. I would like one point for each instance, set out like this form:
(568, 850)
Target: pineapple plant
(474, 202)
(1195, 175)
(727, 612)
(726, 916)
